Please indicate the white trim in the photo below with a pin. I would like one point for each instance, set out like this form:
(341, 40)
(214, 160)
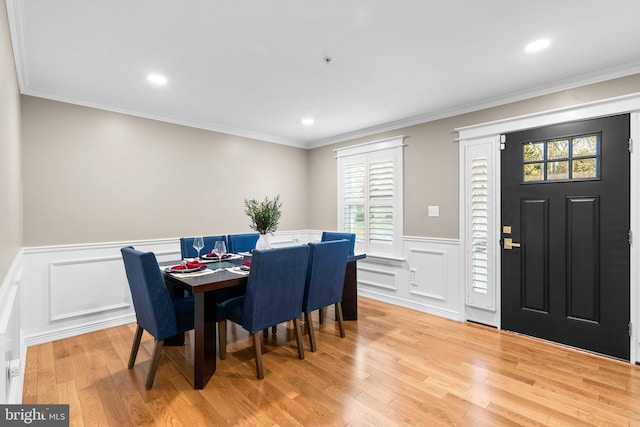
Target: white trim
(602, 108)
(98, 245)
(411, 304)
(607, 107)
(634, 274)
(72, 331)
(370, 147)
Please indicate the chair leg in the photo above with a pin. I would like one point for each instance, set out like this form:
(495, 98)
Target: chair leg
(265, 333)
(321, 313)
(155, 360)
(222, 338)
(258, 348)
(274, 329)
(135, 346)
(338, 307)
(298, 328)
(312, 335)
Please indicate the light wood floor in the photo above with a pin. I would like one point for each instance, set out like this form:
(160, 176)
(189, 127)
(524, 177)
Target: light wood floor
(395, 367)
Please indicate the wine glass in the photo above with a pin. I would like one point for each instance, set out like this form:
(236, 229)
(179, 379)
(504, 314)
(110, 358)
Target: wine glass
(220, 248)
(198, 244)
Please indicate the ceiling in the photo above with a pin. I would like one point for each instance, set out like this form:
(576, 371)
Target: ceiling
(256, 68)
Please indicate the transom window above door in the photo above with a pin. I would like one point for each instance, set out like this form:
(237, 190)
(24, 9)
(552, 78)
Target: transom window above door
(574, 158)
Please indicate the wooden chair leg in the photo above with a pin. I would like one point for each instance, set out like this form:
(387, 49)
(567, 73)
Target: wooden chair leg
(312, 336)
(135, 346)
(155, 360)
(222, 338)
(274, 329)
(258, 348)
(298, 328)
(338, 307)
(265, 333)
(321, 313)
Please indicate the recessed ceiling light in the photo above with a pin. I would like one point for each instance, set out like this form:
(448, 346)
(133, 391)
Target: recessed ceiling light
(307, 121)
(157, 79)
(537, 45)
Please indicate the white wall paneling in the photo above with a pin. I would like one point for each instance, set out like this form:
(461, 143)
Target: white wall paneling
(75, 289)
(12, 347)
(83, 287)
(424, 279)
(428, 273)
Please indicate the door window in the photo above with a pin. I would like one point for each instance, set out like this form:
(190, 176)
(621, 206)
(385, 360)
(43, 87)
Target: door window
(565, 159)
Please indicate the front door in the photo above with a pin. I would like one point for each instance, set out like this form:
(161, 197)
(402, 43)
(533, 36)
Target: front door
(565, 234)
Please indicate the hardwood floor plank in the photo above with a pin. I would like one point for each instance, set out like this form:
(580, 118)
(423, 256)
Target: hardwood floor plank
(395, 367)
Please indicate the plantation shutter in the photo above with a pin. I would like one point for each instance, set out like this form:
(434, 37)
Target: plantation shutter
(354, 198)
(480, 242)
(370, 195)
(381, 195)
(479, 225)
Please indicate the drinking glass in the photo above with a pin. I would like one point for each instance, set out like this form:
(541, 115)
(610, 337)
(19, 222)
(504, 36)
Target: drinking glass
(198, 244)
(220, 248)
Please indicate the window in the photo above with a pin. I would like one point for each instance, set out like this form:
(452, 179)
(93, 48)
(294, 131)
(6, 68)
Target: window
(479, 225)
(565, 159)
(370, 195)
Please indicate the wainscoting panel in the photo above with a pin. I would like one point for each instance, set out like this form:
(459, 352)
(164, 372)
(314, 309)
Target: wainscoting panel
(83, 287)
(74, 289)
(428, 277)
(425, 278)
(12, 347)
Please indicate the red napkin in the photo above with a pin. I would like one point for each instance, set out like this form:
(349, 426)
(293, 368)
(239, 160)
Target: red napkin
(247, 263)
(212, 255)
(190, 264)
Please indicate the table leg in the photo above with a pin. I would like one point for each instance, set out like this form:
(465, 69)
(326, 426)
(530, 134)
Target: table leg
(205, 339)
(350, 292)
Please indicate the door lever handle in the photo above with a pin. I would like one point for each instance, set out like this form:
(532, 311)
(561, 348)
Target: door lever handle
(510, 244)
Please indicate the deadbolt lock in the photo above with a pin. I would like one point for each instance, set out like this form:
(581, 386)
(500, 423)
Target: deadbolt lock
(510, 244)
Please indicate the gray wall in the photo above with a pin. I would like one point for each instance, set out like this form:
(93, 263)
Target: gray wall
(10, 185)
(431, 160)
(97, 176)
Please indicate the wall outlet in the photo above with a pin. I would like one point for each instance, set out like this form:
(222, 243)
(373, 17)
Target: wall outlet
(434, 210)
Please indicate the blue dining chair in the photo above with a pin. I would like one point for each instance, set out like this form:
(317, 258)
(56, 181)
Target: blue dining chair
(324, 282)
(156, 312)
(242, 242)
(334, 235)
(275, 288)
(187, 250)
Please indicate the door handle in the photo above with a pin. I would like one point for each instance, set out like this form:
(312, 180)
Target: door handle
(510, 244)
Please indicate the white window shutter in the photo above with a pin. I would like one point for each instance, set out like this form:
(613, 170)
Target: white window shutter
(481, 245)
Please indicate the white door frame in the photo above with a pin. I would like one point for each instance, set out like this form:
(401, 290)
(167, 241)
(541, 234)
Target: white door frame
(490, 133)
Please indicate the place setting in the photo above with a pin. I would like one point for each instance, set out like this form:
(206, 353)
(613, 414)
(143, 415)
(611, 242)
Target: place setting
(188, 268)
(243, 269)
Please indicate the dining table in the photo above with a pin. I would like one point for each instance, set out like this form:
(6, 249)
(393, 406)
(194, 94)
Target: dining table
(225, 275)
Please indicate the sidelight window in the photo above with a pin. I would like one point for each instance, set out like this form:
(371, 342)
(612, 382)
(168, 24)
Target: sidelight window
(565, 159)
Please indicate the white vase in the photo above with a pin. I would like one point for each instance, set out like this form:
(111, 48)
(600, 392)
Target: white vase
(263, 242)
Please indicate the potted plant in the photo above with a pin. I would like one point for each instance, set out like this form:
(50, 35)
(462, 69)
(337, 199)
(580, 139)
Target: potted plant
(265, 216)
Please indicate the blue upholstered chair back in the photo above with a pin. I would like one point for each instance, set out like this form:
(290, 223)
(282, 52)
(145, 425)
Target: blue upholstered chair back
(242, 242)
(275, 287)
(186, 245)
(325, 274)
(332, 235)
(155, 312)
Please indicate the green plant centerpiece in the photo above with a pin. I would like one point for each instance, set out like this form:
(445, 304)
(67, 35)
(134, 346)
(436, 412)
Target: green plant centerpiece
(265, 216)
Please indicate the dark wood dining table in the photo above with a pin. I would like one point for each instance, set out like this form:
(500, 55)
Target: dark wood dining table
(204, 290)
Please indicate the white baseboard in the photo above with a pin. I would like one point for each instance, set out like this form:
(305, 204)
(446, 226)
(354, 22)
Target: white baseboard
(76, 330)
(414, 305)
